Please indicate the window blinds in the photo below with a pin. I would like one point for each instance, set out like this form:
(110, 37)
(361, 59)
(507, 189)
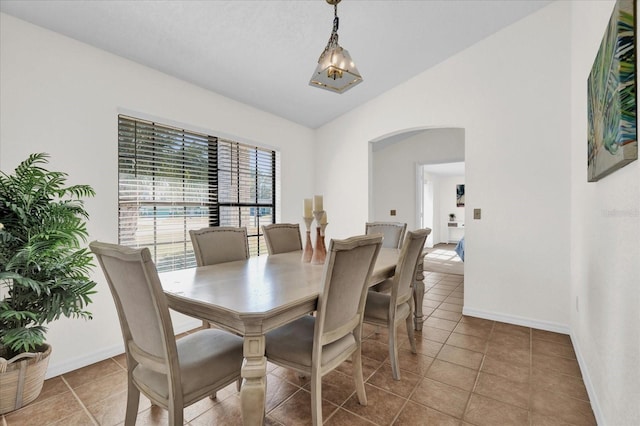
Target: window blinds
(172, 180)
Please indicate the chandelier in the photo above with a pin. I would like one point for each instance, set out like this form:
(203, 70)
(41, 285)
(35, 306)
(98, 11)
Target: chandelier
(335, 71)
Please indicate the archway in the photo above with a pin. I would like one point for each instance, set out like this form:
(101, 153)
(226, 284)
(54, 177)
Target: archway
(396, 163)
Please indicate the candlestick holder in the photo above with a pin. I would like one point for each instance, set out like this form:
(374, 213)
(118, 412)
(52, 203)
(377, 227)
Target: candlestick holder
(307, 253)
(320, 251)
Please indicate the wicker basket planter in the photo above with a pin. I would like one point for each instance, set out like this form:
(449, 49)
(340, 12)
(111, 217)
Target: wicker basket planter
(21, 378)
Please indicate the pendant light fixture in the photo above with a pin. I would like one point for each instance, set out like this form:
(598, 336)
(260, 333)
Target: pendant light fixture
(336, 71)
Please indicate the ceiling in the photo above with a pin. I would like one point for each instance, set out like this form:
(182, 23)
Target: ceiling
(262, 53)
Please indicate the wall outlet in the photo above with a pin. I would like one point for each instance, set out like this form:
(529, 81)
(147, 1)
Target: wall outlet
(392, 212)
(477, 213)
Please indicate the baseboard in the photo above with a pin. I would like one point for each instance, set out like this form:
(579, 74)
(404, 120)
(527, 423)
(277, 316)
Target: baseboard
(83, 360)
(517, 320)
(591, 390)
(87, 359)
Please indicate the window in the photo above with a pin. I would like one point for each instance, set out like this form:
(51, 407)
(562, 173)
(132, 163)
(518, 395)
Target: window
(172, 180)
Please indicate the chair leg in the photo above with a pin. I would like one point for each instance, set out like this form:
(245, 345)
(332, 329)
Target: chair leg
(410, 333)
(393, 351)
(175, 416)
(316, 397)
(239, 384)
(175, 408)
(358, 376)
(213, 396)
(133, 399)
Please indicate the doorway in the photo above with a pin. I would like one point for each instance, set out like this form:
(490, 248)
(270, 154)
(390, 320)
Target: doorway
(438, 205)
(396, 177)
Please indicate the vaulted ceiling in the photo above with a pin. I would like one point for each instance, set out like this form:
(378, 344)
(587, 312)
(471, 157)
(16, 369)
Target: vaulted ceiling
(263, 53)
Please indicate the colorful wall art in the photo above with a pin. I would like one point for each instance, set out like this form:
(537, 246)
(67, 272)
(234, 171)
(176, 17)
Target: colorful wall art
(612, 135)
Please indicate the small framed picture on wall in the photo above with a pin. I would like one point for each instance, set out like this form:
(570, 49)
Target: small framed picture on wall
(460, 195)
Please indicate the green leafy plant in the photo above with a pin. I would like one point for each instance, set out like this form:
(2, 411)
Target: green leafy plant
(44, 272)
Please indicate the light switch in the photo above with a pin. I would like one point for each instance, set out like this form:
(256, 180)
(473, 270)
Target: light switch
(476, 213)
(392, 212)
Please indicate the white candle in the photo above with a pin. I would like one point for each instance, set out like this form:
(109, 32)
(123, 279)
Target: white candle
(323, 221)
(317, 203)
(307, 208)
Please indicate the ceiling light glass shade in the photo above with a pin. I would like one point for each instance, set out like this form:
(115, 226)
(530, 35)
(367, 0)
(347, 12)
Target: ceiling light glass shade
(335, 71)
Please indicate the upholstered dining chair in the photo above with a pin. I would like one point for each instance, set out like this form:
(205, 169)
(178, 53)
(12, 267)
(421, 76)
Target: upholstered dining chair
(390, 309)
(172, 373)
(219, 244)
(393, 232)
(282, 237)
(314, 346)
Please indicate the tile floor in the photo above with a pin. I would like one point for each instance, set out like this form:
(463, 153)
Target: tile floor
(468, 371)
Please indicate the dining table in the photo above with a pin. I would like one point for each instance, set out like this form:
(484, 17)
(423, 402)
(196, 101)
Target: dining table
(254, 296)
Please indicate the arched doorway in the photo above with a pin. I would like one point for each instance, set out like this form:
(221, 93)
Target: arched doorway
(397, 186)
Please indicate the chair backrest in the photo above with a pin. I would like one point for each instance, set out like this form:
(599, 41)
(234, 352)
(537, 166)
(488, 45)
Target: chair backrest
(219, 244)
(407, 263)
(282, 237)
(393, 232)
(345, 279)
(142, 307)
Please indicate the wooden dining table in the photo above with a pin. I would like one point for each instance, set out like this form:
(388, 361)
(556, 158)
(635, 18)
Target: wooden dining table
(252, 297)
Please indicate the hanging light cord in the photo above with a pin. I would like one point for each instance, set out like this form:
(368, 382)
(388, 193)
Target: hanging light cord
(333, 38)
(336, 20)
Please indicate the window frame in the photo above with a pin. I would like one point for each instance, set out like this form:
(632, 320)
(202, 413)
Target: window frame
(265, 163)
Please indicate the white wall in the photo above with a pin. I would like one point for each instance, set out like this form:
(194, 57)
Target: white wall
(511, 95)
(63, 97)
(547, 238)
(394, 171)
(605, 248)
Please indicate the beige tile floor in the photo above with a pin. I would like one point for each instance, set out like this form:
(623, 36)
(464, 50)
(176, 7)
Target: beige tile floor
(467, 371)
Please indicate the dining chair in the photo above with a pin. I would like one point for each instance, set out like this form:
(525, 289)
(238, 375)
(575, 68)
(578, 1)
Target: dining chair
(390, 309)
(282, 237)
(172, 373)
(315, 345)
(219, 244)
(393, 232)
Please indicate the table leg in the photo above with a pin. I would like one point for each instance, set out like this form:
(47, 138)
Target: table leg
(254, 386)
(418, 293)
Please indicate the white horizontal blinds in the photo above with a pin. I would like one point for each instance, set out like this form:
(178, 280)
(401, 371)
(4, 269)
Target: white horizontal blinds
(164, 189)
(172, 180)
(246, 176)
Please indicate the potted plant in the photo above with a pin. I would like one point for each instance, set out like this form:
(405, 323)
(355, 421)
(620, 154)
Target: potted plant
(44, 272)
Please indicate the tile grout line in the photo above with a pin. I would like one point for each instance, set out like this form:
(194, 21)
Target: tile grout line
(435, 357)
(475, 384)
(342, 405)
(84, 408)
(413, 391)
(479, 369)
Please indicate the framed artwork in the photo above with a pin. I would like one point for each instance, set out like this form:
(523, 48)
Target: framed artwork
(460, 195)
(611, 90)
